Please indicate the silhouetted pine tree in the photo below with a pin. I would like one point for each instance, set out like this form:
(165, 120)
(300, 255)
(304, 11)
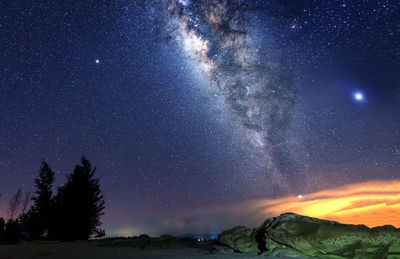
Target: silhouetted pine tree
(2, 229)
(23, 217)
(37, 221)
(56, 229)
(80, 204)
(12, 232)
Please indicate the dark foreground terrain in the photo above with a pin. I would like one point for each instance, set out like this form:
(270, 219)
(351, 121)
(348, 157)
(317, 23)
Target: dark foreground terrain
(97, 250)
(287, 236)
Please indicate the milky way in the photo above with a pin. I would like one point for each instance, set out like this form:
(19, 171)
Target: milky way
(259, 94)
(198, 104)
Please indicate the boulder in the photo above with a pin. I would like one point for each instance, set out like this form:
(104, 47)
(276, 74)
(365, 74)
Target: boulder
(220, 249)
(296, 235)
(240, 239)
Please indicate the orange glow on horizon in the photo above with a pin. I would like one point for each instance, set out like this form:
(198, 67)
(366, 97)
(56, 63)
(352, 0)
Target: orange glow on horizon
(371, 203)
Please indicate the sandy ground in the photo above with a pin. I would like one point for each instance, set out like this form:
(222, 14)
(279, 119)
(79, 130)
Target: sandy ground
(78, 250)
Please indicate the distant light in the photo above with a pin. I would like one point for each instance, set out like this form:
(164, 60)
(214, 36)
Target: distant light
(97, 61)
(359, 96)
(299, 196)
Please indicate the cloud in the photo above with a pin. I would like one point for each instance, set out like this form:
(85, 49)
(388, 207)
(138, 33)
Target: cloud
(373, 203)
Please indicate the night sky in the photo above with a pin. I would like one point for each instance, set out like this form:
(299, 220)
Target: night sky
(184, 104)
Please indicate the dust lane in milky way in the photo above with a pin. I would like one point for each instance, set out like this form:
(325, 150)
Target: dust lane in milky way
(260, 95)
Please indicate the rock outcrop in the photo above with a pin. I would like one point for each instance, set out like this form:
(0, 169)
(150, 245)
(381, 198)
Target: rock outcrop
(240, 239)
(293, 235)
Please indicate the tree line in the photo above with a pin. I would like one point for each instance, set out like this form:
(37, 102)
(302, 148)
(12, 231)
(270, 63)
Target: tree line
(72, 213)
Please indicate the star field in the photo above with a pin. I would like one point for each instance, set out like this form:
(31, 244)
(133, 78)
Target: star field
(186, 104)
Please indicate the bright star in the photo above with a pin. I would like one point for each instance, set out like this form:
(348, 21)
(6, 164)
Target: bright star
(359, 96)
(97, 61)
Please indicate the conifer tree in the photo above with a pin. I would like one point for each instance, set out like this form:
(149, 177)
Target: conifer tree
(39, 216)
(81, 204)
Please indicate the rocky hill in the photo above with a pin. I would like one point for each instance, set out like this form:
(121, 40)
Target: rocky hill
(293, 235)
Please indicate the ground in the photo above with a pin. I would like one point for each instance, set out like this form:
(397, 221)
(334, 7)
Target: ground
(80, 250)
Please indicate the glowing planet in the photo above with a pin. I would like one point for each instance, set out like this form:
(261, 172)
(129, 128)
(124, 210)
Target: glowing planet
(358, 96)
